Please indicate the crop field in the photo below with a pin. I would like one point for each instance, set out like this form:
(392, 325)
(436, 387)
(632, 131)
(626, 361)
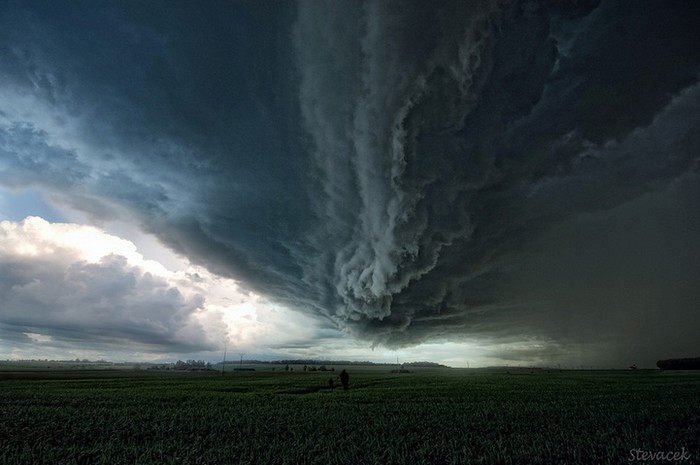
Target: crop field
(430, 416)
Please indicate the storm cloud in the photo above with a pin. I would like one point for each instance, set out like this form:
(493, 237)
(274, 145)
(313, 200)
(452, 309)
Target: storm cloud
(449, 139)
(407, 172)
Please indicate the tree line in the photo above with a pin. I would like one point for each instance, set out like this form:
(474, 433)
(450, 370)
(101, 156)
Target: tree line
(679, 364)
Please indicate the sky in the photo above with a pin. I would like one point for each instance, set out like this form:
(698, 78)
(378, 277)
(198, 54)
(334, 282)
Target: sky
(471, 183)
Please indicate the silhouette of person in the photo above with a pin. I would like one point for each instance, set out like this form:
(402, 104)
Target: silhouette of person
(331, 385)
(344, 379)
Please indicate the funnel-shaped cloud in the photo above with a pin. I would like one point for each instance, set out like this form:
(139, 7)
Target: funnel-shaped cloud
(447, 139)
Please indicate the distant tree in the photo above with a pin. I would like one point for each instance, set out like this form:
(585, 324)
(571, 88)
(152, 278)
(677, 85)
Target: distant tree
(192, 365)
(679, 364)
(425, 365)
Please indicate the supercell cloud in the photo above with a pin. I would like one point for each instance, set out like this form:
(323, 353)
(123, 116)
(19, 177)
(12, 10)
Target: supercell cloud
(407, 172)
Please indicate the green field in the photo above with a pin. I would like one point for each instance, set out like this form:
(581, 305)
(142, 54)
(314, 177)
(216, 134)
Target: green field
(431, 416)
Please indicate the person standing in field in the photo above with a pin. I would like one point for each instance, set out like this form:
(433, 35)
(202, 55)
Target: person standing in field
(344, 379)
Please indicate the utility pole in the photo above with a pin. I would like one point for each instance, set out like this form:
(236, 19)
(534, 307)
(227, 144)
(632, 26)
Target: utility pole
(223, 365)
(240, 365)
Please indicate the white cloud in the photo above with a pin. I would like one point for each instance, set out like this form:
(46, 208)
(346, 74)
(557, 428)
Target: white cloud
(70, 287)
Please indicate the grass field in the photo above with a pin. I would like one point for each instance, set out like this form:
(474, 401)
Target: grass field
(431, 416)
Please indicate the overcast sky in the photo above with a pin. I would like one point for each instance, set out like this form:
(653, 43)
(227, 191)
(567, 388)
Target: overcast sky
(483, 182)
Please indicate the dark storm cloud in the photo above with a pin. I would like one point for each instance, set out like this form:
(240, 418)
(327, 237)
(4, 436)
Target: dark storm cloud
(25, 151)
(176, 112)
(442, 162)
(387, 166)
(626, 277)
